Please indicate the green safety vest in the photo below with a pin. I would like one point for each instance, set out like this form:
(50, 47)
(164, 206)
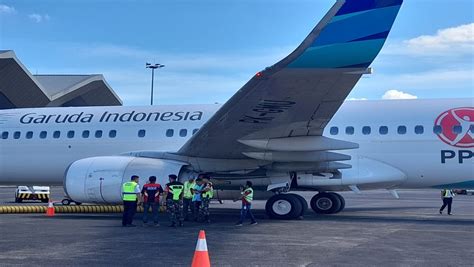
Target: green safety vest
(446, 193)
(209, 194)
(128, 191)
(176, 190)
(248, 197)
(187, 189)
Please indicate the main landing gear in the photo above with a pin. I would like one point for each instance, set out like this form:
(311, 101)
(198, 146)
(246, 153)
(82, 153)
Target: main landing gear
(292, 206)
(327, 203)
(286, 206)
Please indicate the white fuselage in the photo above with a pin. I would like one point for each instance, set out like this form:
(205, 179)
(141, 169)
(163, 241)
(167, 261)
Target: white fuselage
(32, 153)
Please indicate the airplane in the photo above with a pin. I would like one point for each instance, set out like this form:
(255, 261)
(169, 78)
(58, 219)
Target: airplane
(287, 129)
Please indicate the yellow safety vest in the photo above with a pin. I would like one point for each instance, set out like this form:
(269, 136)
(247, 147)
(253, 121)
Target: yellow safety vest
(248, 197)
(128, 191)
(187, 189)
(210, 193)
(176, 190)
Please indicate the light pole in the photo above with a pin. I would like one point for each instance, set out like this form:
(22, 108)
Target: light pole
(153, 67)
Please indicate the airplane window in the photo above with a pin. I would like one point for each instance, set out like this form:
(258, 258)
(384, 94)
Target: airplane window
(183, 132)
(85, 134)
(56, 134)
(334, 131)
(29, 135)
(141, 133)
(195, 130)
(437, 129)
(169, 132)
(98, 134)
(383, 130)
(112, 133)
(43, 134)
(350, 130)
(16, 135)
(457, 129)
(366, 130)
(70, 134)
(402, 130)
(472, 128)
(419, 129)
(4, 135)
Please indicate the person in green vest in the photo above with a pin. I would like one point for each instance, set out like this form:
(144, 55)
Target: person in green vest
(188, 198)
(447, 196)
(174, 200)
(206, 196)
(246, 195)
(131, 198)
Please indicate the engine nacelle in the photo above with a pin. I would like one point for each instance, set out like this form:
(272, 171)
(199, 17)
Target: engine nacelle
(99, 179)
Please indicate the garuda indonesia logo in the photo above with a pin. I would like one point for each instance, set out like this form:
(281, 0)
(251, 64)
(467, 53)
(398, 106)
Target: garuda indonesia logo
(457, 127)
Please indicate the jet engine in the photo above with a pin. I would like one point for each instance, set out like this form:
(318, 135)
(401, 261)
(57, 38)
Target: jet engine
(99, 179)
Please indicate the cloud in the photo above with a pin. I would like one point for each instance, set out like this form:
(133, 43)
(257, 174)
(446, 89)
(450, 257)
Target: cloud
(4, 9)
(357, 99)
(395, 94)
(38, 18)
(448, 42)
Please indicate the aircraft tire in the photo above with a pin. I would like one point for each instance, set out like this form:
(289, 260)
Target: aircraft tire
(284, 207)
(325, 203)
(304, 204)
(343, 202)
(66, 202)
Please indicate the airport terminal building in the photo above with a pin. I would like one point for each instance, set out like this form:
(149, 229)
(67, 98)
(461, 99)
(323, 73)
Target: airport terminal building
(21, 89)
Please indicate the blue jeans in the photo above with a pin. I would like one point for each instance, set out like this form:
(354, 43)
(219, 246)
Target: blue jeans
(155, 208)
(246, 212)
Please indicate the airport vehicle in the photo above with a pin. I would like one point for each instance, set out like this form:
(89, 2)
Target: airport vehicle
(286, 130)
(468, 192)
(23, 192)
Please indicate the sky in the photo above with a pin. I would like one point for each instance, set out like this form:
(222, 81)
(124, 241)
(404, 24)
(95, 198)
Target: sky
(210, 48)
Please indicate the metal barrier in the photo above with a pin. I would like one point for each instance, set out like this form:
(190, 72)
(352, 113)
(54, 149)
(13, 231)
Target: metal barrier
(70, 209)
(65, 209)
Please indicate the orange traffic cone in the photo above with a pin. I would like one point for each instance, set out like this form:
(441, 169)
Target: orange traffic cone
(50, 209)
(201, 256)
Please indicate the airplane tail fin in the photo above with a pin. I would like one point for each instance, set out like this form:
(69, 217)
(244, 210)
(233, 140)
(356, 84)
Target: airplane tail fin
(350, 35)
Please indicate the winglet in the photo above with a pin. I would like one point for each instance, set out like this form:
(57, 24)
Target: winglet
(350, 36)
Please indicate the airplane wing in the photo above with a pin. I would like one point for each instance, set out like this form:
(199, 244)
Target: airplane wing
(296, 97)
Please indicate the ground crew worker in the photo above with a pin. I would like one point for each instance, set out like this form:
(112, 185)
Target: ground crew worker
(151, 198)
(447, 196)
(206, 196)
(197, 200)
(188, 198)
(246, 195)
(174, 200)
(131, 198)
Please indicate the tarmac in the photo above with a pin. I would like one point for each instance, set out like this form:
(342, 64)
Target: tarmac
(374, 230)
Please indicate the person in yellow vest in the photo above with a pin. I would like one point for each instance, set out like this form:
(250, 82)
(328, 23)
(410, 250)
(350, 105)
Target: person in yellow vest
(174, 200)
(246, 195)
(131, 198)
(188, 198)
(447, 196)
(206, 196)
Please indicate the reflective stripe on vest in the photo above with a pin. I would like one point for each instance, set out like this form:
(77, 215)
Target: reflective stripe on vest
(248, 197)
(128, 191)
(187, 189)
(176, 190)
